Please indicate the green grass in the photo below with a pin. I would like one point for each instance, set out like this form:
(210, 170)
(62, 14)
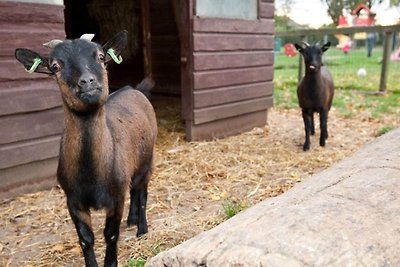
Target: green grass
(231, 208)
(136, 262)
(353, 94)
(384, 130)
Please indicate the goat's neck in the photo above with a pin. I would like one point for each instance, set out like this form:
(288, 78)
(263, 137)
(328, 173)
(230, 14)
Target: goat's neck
(314, 78)
(86, 136)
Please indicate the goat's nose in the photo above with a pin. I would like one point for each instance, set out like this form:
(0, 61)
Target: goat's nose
(86, 80)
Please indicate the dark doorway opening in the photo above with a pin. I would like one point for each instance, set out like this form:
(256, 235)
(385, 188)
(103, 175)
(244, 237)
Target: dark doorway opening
(151, 18)
(105, 18)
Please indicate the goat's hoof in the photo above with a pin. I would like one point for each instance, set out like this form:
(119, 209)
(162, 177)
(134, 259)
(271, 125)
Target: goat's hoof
(132, 220)
(322, 143)
(141, 232)
(306, 147)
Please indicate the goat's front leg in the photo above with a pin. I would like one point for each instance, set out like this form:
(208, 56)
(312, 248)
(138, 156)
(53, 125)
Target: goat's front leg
(312, 123)
(307, 127)
(83, 227)
(323, 118)
(111, 233)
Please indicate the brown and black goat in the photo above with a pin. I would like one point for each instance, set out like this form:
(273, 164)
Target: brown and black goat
(315, 91)
(108, 140)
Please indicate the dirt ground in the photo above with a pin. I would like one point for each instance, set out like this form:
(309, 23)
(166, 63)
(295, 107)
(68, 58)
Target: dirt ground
(191, 182)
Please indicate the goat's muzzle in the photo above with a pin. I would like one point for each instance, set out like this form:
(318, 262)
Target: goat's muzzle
(90, 94)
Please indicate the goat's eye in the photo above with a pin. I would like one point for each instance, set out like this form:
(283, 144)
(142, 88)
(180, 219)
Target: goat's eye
(55, 67)
(101, 57)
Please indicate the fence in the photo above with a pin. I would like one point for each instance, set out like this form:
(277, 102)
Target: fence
(379, 70)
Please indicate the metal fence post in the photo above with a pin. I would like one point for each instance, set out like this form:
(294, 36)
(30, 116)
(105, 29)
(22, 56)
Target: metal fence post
(387, 45)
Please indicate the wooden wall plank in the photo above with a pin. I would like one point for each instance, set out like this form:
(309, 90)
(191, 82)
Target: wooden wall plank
(231, 110)
(217, 78)
(221, 60)
(229, 126)
(28, 97)
(30, 151)
(26, 12)
(27, 178)
(29, 126)
(16, 36)
(218, 96)
(267, 10)
(12, 70)
(231, 42)
(218, 25)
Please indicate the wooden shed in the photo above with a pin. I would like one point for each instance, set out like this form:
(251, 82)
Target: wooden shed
(30, 105)
(217, 56)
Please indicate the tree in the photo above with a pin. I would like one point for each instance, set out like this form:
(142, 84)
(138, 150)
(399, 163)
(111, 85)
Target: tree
(335, 7)
(282, 17)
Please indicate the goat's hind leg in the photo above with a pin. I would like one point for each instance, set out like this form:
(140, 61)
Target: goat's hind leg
(137, 210)
(323, 117)
(83, 227)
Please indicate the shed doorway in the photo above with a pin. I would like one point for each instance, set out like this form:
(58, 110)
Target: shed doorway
(157, 54)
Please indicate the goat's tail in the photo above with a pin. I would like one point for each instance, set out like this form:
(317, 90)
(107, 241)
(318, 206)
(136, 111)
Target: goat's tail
(145, 86)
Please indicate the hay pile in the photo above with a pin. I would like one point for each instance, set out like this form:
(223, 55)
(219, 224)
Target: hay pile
(190, 184)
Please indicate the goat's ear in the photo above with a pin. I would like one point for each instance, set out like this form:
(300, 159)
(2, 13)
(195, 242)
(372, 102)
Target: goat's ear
(32, 61)
(117, 43)
(326, 46)
(299, 48)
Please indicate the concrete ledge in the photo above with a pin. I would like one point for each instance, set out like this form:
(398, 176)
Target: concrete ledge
(347, 215)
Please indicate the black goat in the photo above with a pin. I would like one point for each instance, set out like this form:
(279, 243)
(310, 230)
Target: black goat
(315, 91)
(108, 140)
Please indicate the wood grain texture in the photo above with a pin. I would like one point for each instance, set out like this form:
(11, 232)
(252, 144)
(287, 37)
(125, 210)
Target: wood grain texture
(225, 60)
(16, 128)
(22, 97)
(218, 25)
(31, 119)
(27, 12)
(346, 215)
(231, 110)
(232, 66)
(29, 151)
(28, 178)
(218, 96)
(267, 10)
(231, 42)
(226, 127)
(226, 77)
